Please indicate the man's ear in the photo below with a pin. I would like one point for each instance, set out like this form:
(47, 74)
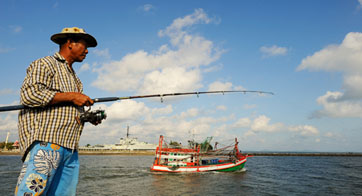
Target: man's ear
(69, 43)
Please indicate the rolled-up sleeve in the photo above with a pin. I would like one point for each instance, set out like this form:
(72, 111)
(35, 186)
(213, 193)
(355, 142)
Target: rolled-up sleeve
(36, 89)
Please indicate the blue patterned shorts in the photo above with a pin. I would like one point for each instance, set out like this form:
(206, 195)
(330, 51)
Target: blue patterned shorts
(48, 169)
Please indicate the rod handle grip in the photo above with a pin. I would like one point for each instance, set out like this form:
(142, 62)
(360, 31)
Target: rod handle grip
(105, 99)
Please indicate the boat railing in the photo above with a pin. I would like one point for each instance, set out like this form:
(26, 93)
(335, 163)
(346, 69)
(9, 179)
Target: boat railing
(182, 150)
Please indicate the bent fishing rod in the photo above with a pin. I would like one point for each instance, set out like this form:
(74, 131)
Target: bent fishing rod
(161, 96)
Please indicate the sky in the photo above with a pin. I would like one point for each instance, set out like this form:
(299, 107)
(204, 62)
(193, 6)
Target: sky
(307, 52)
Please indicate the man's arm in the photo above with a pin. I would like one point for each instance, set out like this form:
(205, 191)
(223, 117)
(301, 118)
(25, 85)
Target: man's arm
(78, 99)
(35, 91)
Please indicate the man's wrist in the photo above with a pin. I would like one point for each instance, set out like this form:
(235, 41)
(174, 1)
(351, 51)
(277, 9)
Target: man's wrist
(63, 97)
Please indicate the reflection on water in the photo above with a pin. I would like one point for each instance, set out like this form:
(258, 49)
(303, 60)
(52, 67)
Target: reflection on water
(131, 175)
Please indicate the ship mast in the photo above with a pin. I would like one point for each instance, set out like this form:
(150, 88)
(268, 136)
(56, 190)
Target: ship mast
(6, 141)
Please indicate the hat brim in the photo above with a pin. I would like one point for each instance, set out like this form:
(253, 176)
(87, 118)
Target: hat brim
(59, 38)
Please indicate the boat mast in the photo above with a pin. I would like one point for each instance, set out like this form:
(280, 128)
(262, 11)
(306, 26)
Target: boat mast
(198, 155)
(159, 150)
(237, 153)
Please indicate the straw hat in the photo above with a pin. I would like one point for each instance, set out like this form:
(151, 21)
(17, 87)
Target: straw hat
(74, 32)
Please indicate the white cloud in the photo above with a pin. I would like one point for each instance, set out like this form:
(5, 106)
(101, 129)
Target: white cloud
(242, 122)
(9, 122)
(84, 67)
(347, 59)
(56, 5)
(334, 107)
(127, 109)
(102, 53)
(352, 85)
(8, 92)
(150, 123)
(329, 134)
(261, 123)
(190, 113)
(224, 86)
(170, 79)
(176, 30)
(158, 71)
(16, 28)
(273, 51)
(162, 111)
(240, 88)
(248, 106)
(5, 50)
(221, 107)
(333, 135)
(212, 68)
(147, 7)
(219, 86)
(305, 130)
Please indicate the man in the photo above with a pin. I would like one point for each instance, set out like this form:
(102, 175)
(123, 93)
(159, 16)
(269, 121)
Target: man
(49, 129)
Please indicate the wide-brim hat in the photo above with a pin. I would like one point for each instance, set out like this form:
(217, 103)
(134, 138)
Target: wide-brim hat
(74, 32)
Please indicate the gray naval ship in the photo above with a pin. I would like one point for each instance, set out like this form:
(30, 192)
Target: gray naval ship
(125, 144)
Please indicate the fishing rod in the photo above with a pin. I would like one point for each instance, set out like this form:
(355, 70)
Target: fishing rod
(161, 96)
(108, 99)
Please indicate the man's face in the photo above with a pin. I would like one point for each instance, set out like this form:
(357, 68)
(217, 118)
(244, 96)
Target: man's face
(79, 50)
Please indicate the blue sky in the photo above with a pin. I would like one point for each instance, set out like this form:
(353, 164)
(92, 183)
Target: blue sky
(309, 53)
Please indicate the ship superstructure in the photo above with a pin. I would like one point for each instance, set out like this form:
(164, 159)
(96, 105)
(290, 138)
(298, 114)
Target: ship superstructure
(128, 143)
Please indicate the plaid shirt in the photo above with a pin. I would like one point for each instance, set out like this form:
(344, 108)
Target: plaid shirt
(55, 124)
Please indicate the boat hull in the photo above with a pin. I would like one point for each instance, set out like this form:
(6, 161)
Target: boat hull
(222, 167)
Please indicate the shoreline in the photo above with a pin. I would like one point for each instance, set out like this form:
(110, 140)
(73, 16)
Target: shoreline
(92, 153)
(314, 154)
(149, 153)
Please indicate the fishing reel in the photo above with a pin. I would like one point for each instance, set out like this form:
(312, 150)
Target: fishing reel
(94, 117)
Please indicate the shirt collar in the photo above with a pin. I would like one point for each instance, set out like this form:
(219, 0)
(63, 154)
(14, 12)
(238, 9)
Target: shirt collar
(59, 57)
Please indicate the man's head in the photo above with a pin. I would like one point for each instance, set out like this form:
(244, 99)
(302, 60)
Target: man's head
(73, 43)
(74, 50)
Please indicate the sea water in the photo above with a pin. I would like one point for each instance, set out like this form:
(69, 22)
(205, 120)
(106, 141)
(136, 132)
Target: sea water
(262, 175)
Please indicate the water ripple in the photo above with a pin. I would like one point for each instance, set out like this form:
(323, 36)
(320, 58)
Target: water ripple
(131, 175)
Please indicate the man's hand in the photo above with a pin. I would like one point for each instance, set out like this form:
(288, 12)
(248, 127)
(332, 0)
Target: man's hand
(78, 99)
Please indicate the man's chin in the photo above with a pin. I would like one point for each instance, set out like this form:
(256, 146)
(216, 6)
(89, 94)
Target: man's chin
(80, 60)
